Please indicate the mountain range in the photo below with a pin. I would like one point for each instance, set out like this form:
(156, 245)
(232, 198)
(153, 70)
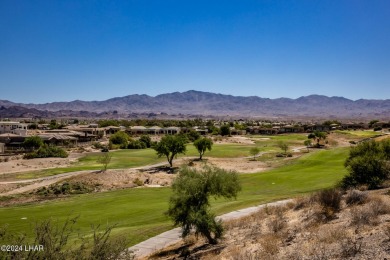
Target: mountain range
(204, 103)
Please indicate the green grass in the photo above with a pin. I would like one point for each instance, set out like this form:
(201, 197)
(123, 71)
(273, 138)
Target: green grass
(130, 158)
(359, 133)
(120, 159)
(138, 213)
(270, 142)
(222, 151)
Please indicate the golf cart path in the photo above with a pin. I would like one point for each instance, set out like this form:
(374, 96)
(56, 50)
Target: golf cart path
(173, 236)
(45, 181)
(70, 174)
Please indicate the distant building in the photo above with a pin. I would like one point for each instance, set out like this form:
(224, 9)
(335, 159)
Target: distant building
(9, 127)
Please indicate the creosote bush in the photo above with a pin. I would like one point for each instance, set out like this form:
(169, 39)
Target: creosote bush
(368, 164)
(46, 151)
(58, 243)
(330, 202)
(356, 197)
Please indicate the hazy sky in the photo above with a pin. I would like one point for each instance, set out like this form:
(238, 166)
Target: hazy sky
(94, 50)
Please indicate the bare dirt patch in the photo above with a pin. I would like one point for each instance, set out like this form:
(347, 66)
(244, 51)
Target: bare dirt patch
(17, 164)
(125, 178)
(241, 165)
(237, 139)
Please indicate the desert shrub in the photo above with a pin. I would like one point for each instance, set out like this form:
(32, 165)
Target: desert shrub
(239, 253)
(97, 145)
(65, 188)
(57, 244)
(386, 230)
(350, 247)
(362, 216)
(378, 206)
(368, 214)
(331, 235)
(32, 142)
(301, 202)
(146, 140)
(138, 182)
(46, 151)
(270, 244)
(276, 224)
(193, 135)
(354, 197)
(368, 164)
(225, 130)
(136, 144)
(330, 198)
(119, 139)
(330, 202)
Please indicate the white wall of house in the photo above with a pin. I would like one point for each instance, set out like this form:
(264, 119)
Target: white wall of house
(13, 128)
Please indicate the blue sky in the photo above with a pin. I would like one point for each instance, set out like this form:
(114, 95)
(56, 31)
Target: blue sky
(95, 50)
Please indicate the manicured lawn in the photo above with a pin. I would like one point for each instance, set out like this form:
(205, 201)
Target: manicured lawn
(120, 159)
(270, 142)
(359, 133)
(138, 213)
(130, 158)
(222, 150)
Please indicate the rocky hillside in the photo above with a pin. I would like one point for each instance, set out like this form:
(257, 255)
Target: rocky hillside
(354, 225)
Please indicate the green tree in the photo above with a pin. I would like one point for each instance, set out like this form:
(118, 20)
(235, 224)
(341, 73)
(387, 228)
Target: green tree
(189, 204)
(146, 140)
(120, 139)
(225, 130)
(372, 122)
(32, 142)
(104, 160)
(317, 136)
(193, 135)
(46, 151)
(307, 143)
(254, 151)
(202, 145)
(368, 164)
(170, 146)
(284, 146)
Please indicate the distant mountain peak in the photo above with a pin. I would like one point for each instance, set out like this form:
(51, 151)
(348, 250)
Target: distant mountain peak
(196, 102)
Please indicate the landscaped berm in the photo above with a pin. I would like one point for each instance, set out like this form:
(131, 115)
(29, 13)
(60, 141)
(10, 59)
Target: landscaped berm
(87, 209)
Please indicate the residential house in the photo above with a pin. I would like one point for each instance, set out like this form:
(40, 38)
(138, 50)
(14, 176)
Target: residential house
(13, 128)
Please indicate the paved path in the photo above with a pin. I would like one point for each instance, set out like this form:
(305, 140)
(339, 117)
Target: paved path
(45, 181)
(173, 236)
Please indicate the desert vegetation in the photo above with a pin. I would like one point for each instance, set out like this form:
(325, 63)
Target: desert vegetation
(189, 204)
(56, 241)
(139, 212)
(330, 224)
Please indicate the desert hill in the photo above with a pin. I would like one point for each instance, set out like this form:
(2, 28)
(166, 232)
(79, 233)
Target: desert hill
(205, 103)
